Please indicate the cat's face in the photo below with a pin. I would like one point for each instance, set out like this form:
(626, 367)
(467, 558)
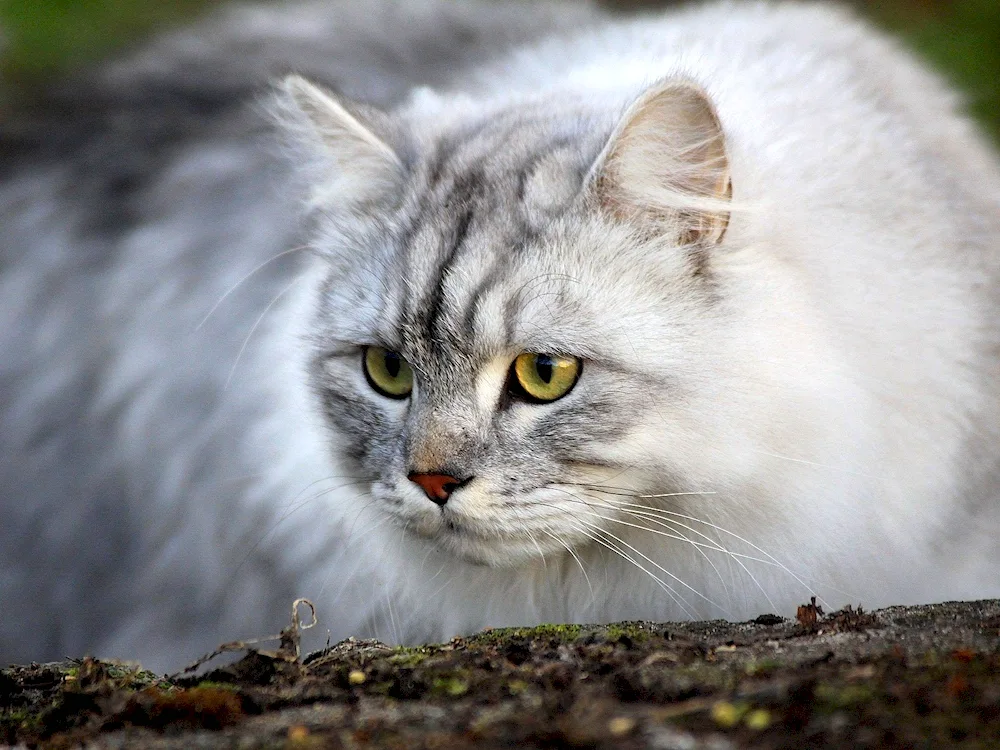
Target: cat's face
(493, 341)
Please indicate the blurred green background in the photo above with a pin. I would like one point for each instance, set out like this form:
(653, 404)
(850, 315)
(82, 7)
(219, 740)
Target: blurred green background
(47, 38)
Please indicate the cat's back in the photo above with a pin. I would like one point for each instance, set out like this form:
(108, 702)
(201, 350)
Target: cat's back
(777, 71)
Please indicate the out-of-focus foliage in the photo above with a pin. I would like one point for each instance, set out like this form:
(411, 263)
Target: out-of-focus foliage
(959, 37)
(42, 38)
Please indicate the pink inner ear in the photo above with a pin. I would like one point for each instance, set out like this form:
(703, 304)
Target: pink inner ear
(666, 165)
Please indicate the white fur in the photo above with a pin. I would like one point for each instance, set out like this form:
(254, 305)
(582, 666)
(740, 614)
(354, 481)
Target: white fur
(838, 430)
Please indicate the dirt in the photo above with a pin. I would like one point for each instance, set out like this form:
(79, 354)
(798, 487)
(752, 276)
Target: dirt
(900, 677)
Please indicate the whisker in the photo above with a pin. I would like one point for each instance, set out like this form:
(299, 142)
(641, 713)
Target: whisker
(660, 567)
(673, 534)
(750, 544)
(534, 541)
(678, 600)
(625, 492)
(257, 323)
(817, 464)
(235, 286)
(573, 554)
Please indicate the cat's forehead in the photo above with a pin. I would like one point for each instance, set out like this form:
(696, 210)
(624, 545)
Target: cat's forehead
(525, 163)
(476, 228)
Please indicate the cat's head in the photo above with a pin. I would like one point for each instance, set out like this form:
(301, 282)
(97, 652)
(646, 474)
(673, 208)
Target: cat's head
(521, 306)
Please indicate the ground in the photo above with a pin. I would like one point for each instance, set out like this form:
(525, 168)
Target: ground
(900, 677)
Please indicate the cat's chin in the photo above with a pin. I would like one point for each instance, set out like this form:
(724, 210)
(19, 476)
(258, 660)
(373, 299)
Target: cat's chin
(490, 551)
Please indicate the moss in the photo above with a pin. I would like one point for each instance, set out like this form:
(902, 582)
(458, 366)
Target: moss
(382, 687)
(517, 687)
(637, 632)
(843, 696)
(218, 685)
(19, 720)
(408, 657)
(499, 636)
(452, 687)
(762, 667)
(727, 714)
(758, 719)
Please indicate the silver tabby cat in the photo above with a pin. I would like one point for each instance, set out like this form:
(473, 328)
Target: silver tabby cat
(685, 316)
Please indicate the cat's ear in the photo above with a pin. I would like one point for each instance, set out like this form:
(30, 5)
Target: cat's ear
(348, 165)
(666, 164)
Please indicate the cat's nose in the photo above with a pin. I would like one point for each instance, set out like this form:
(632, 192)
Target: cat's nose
(437, 487)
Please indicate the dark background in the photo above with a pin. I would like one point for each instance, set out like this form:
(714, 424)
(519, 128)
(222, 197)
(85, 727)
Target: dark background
(43, 39)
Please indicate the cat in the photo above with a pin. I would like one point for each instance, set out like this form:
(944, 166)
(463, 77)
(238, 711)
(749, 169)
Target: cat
(686, 316)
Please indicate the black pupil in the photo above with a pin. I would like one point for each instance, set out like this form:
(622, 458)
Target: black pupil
(543, 366)
(392, 364)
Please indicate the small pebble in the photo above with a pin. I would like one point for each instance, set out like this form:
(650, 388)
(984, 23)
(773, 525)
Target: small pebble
(727, 714)
(298, 733)
(758, 719)
(621, 725)
(356, 677)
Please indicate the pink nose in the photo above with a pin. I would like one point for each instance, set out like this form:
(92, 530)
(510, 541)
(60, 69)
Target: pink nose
(438, 487)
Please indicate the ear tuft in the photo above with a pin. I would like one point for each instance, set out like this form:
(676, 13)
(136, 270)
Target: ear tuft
(666, 164)
(349, 166)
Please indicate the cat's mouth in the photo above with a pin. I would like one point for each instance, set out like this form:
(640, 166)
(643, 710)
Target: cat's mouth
(479, 543)
(498, 531)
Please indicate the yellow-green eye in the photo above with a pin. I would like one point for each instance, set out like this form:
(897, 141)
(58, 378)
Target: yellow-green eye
(544, 377)
(387, 372)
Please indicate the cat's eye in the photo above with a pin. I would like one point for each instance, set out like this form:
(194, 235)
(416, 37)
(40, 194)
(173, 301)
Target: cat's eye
(544, 377)
(387, 372)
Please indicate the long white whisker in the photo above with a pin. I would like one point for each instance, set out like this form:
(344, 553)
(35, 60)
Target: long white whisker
(235, 286)
(588, 528)
(750, 544)
(817, 464)
(652, 562)
(257, 323)
(674, 534)
(541, 554)
(575, 557)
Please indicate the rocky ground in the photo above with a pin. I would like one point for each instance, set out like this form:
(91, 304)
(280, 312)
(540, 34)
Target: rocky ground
(901, 677)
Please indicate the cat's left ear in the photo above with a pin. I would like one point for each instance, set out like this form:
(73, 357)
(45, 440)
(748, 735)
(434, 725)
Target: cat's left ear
(666, 166)
(348, 164)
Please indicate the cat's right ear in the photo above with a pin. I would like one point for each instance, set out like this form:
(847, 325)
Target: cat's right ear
(348, 165)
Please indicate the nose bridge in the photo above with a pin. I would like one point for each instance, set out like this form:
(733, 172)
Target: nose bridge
(441, 437)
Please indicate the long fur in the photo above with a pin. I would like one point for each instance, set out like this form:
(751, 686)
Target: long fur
(801, 401)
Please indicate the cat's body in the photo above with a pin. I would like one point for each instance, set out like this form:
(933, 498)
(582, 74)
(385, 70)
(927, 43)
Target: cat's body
(812, 355)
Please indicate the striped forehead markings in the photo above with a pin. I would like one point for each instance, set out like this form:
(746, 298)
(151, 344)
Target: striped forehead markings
(461, 201)
(464, 198)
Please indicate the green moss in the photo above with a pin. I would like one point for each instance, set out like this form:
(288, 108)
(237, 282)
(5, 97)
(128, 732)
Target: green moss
(517, 687)
(498, 636)
(450, 686)
(843, 696)
(211, 684)
(408, 657)
(20, 720)
(762, 667)
(128, 677)
(637, 632)
(383, 687)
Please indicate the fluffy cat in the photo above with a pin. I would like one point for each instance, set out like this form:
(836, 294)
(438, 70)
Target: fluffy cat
(686, 316)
